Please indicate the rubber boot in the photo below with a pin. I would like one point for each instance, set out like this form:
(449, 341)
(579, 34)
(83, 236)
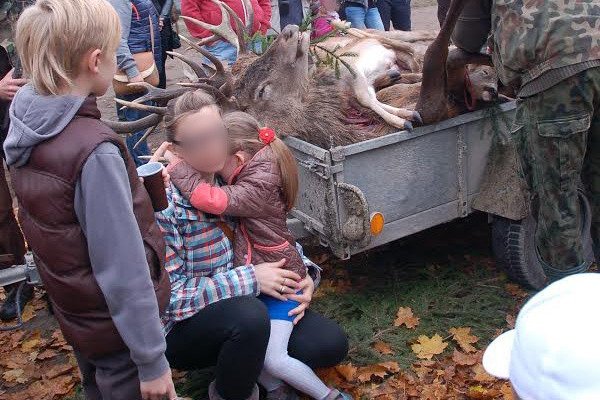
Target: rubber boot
(8, 312)
(213, 395)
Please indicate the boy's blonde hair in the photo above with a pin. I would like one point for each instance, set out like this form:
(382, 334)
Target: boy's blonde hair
(52, 36)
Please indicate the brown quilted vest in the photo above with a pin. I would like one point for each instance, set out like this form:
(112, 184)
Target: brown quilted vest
(45, 187)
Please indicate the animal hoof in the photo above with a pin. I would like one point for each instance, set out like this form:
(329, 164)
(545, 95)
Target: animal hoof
(416, 117)
(408, 126)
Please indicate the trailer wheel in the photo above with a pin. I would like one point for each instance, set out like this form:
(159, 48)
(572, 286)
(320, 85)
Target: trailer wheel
(514, 247)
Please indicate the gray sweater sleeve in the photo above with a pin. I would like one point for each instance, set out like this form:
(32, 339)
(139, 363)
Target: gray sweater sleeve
(473, 26)
(104, 207)
(125, 61)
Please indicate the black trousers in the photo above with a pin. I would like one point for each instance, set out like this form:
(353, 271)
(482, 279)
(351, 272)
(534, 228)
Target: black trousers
(443, 6)
(232, 335)
(396, 12)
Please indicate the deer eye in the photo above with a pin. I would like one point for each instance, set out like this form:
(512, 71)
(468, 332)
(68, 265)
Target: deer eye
(264, 92)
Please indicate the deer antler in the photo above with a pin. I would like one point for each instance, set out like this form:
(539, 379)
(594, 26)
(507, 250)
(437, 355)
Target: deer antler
(157, 94)
(221, 78)
(134, 126)
(224, 30)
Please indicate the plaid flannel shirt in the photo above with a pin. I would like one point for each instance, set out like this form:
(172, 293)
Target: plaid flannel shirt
(199, 261)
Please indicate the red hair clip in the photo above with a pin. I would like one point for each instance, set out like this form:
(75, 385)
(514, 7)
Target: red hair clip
(266, 135)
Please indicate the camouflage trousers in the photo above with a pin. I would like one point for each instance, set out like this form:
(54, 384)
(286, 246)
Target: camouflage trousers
(558, 136)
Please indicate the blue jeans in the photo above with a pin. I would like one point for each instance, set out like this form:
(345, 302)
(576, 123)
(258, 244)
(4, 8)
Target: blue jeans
(362, 18)
(226, 52)
(395, 11)
(131, 114)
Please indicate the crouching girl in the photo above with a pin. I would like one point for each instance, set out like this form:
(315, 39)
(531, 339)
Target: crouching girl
(215, 317)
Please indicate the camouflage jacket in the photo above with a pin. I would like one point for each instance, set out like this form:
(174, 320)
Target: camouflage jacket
(9, 13)
(538, 43)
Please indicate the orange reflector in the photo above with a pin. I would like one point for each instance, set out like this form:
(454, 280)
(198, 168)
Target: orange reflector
(377, 222)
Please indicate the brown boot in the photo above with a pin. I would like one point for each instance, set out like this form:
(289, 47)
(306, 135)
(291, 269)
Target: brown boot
(213, 395)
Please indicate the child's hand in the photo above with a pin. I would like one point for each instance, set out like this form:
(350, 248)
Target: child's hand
(161, 388)
(341, 25)
(307, 286)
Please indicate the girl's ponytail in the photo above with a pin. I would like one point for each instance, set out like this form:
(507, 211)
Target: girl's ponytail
(288, 170)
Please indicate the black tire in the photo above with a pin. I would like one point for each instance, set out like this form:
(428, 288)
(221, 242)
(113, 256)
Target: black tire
(514, 247)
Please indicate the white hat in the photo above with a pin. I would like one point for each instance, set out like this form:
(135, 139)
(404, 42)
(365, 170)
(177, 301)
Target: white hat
(554, 351)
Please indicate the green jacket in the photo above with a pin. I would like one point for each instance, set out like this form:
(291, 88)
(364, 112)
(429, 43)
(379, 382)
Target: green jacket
(536, 43)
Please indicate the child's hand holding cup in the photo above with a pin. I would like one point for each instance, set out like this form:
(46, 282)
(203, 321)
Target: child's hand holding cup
(152, 177)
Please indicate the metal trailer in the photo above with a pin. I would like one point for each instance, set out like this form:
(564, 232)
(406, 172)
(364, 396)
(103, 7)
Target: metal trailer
(417, 180)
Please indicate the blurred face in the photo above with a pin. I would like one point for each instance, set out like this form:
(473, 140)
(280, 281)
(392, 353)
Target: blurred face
(232, 164)
(201, 140)
(329, 5)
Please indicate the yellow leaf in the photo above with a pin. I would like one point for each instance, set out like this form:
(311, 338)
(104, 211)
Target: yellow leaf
(405, 316)
(28, 313)
(383, 348)
(31, 343)
(481, 375)
(15, 375)
(427, 348)
(348, 371)
(465, 340)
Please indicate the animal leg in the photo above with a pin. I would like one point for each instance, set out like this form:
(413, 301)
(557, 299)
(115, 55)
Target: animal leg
(402, 112)
(365, 95)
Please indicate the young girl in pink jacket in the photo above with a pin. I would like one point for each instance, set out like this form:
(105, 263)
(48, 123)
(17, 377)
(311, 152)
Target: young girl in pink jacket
(262, 183)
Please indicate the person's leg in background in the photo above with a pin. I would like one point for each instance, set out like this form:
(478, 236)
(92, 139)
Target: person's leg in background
(553, 143)
(356, 16)
(11, 243)
(231, 334)
(442, 10)
(224, 51)
(373, 19)
(591, 174)
(385, 11)
(131, 114)
(400, 15)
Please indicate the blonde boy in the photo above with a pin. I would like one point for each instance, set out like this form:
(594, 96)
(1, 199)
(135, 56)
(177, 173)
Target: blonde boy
(82, 208)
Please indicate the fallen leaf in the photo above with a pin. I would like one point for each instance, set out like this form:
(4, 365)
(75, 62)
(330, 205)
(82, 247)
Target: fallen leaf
(515, 290)
(511, 320)
(480, 392)
(33, 355)
(433, 392)
(427, 348)
(330, 376)
(507, 392)
(58, 371)
(62, 385)
(47, 354)
(464, 338)
(31, 342)
(15, 375)
(405, 316)
(481, 375)
(28, 313)
(464, 359)
(391, 366)
(348, 371)
(383, 348)
(365, 374)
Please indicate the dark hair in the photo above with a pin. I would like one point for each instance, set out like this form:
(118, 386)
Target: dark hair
(243, 130)
(184, 105)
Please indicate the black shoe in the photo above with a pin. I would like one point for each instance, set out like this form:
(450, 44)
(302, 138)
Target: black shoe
(8, 312)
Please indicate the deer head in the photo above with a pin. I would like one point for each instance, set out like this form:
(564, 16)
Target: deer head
(278, 78)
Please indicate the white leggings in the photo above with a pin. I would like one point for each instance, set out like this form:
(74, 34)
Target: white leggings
(280, 367)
